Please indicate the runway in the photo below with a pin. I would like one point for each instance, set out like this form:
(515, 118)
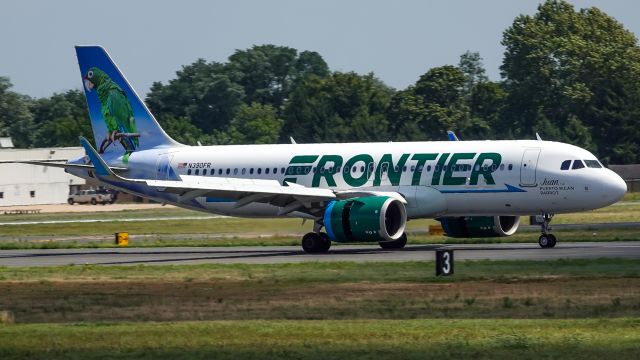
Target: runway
(293, 254)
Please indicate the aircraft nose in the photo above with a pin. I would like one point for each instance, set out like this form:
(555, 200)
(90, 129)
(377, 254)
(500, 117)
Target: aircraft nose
(614, 187)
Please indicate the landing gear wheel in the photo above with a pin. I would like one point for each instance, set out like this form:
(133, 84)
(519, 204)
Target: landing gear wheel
(326, 242)
(552, 240)
(313, 243)
(547, 239)
(396, 244)
(544, 241)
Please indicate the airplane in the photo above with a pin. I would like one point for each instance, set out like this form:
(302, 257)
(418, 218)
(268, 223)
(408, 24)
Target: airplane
(353, 192)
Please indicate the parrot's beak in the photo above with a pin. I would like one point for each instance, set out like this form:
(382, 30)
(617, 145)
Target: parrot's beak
(88, 84)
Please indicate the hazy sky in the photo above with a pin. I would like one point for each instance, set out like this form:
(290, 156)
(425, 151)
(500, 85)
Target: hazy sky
(151, 40)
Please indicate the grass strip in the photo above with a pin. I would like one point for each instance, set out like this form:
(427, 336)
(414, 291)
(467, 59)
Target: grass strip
(393, 339)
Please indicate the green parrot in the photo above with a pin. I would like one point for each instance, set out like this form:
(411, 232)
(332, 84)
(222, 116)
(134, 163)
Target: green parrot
(116, 111)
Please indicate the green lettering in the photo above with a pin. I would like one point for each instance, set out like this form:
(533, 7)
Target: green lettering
(422, 159)
(303, 159)
(327, 174)
(437, 172)
(348, 175)
(394, 176)
(480, 168)
(449, 179)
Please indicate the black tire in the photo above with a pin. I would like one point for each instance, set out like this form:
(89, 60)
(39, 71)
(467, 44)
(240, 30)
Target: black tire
(70, 201)
(93, 201)
(544, 241)
(552, 240)
(326, 242)
(394, 245)
(313, 243)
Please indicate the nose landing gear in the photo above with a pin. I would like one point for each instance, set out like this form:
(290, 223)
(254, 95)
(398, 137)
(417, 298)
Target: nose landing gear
(547, 239)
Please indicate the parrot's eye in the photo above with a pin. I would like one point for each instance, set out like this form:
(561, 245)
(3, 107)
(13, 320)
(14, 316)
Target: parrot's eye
(90, 74)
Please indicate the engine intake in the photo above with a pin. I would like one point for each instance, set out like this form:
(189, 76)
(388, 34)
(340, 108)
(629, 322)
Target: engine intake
(365, 219)
(480, 226)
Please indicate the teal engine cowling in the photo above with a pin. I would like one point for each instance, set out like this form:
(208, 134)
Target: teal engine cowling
(479, 226)
(365, 219)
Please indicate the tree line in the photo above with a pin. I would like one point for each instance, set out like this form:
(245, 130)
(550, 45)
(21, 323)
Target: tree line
(570, 75)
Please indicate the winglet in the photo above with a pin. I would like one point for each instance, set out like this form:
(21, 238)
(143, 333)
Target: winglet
(452, 136)
(101, 168)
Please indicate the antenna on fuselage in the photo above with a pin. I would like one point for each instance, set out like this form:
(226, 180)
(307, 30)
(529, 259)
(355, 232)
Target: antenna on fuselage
(292, 141)
(538, 137)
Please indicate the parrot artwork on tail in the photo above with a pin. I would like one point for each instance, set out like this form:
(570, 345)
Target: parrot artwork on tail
(116, 111)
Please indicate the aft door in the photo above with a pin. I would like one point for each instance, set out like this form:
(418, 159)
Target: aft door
(163, 167)
(528, 167)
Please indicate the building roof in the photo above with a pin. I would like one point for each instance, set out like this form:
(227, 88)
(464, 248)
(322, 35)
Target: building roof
(6, 143)
(627, 172)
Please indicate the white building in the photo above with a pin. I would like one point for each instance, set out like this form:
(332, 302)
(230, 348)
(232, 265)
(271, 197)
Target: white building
(23, 184)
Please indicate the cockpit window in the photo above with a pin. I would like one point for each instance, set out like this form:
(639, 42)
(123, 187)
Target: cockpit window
(577, 164)
(593, 164)
(565, 165)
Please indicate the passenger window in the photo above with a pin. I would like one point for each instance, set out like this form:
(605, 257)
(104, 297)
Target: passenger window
(404, 168)
(510, 167)
(251, 171)
(235, 171)
(275, 170)
(282, 171)
(428, 168)
(259, 171)
(565, 165)
(477, 167)
(501, 167)
(244, 171)
(228, 171)
(577, 165)
(189, 172)
(204, 172)
(361, 168)
(197, 171)
(413, 168)
(266, 171)
(219, 171)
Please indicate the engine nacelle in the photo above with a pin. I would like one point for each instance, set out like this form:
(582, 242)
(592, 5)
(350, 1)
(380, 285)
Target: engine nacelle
(364, 219)
(480, 226)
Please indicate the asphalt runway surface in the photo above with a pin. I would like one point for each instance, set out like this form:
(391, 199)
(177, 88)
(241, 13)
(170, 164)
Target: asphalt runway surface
(291, 254)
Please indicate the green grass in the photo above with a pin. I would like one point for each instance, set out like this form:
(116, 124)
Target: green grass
(393, 339)
(331, 272)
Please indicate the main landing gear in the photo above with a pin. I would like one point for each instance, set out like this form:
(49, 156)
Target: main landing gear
(316, 242)
(546, 240)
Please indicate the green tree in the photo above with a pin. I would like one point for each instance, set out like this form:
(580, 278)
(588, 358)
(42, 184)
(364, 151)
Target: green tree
(16, 120)
(341, 107)
(255, 124)
(60, 119)
(474, 73)
(435, 104)
(580, 71)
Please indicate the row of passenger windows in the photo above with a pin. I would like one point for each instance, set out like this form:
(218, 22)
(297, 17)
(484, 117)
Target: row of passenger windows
(578, 164)
(303, 170)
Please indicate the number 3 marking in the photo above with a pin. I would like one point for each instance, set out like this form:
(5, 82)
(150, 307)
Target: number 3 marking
(447, 267)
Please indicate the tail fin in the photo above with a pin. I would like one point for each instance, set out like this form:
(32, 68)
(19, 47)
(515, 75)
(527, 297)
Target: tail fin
(121, 122)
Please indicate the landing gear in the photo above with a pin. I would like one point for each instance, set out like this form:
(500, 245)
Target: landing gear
(396, 244)
(315, 243)
(546, 240)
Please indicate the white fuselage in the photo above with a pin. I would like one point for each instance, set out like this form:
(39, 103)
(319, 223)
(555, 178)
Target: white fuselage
(444, 178)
